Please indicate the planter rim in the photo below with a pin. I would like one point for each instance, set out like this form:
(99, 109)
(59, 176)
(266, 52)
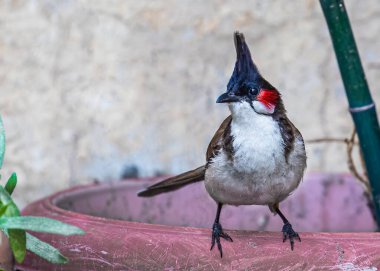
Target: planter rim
(110, 243)
(50, 203)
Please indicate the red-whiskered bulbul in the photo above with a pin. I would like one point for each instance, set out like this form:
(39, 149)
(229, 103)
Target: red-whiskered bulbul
(256, 157)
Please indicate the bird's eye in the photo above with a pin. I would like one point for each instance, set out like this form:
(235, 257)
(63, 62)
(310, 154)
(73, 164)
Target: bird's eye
(253, 91)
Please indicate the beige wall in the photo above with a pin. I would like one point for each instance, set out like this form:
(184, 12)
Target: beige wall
(89, 87)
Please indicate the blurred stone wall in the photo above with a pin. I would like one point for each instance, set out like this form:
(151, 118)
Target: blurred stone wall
(92, 89)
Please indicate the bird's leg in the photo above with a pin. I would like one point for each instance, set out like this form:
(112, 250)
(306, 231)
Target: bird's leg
(287, 229)
(217, 232)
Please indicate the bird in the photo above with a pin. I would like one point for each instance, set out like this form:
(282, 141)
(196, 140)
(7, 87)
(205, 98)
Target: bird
(256, 157)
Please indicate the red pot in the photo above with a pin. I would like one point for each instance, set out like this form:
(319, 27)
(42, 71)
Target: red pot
(172, 231)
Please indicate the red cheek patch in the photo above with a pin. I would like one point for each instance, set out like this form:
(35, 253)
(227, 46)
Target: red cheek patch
(268, 98)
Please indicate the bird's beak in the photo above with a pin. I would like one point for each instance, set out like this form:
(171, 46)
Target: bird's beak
(227, 98)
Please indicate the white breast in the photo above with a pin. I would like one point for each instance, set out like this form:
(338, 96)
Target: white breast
(259, 173)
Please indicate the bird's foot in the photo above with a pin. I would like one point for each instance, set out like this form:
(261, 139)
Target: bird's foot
(289, 233)
(217, 232)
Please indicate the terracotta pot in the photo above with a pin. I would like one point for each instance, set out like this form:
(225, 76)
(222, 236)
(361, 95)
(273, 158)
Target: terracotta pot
(172, 231)
(6, 256)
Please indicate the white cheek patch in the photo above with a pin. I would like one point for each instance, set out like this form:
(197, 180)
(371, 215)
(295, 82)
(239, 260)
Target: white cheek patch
(262, 109)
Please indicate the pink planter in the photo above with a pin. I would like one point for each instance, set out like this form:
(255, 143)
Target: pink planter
(178, 234)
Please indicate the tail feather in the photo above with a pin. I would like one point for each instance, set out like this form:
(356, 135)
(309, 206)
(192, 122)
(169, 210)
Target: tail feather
(175, 182)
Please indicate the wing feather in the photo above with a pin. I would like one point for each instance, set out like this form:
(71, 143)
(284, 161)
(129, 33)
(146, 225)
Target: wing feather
(219, 140)
(222, 138)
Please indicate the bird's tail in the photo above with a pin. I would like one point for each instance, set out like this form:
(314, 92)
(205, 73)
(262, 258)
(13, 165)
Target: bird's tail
(174, 183)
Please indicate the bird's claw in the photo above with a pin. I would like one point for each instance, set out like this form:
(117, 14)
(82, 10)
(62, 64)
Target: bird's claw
(289, 233)
(217, 232)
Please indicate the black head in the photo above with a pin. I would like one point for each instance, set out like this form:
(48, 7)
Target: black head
(246, 81)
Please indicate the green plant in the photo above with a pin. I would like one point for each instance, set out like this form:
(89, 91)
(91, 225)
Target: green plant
(14, 225)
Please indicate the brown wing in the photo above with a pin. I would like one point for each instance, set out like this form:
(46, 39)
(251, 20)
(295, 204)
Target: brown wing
(221, 138)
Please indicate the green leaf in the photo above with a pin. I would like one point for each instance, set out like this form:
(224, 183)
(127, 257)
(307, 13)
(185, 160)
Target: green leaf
(2, 142)
(11, 184)
(3, 208)
(12, 210)
(5, 199)
(17, 240)
(39, 224)
(17, 237)
(44, 250)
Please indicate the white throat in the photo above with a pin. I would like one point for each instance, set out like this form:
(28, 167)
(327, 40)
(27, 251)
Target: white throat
(242, 112)
(242, 109)
(257, 141)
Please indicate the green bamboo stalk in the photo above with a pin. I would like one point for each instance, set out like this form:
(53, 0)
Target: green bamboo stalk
(362, 107)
